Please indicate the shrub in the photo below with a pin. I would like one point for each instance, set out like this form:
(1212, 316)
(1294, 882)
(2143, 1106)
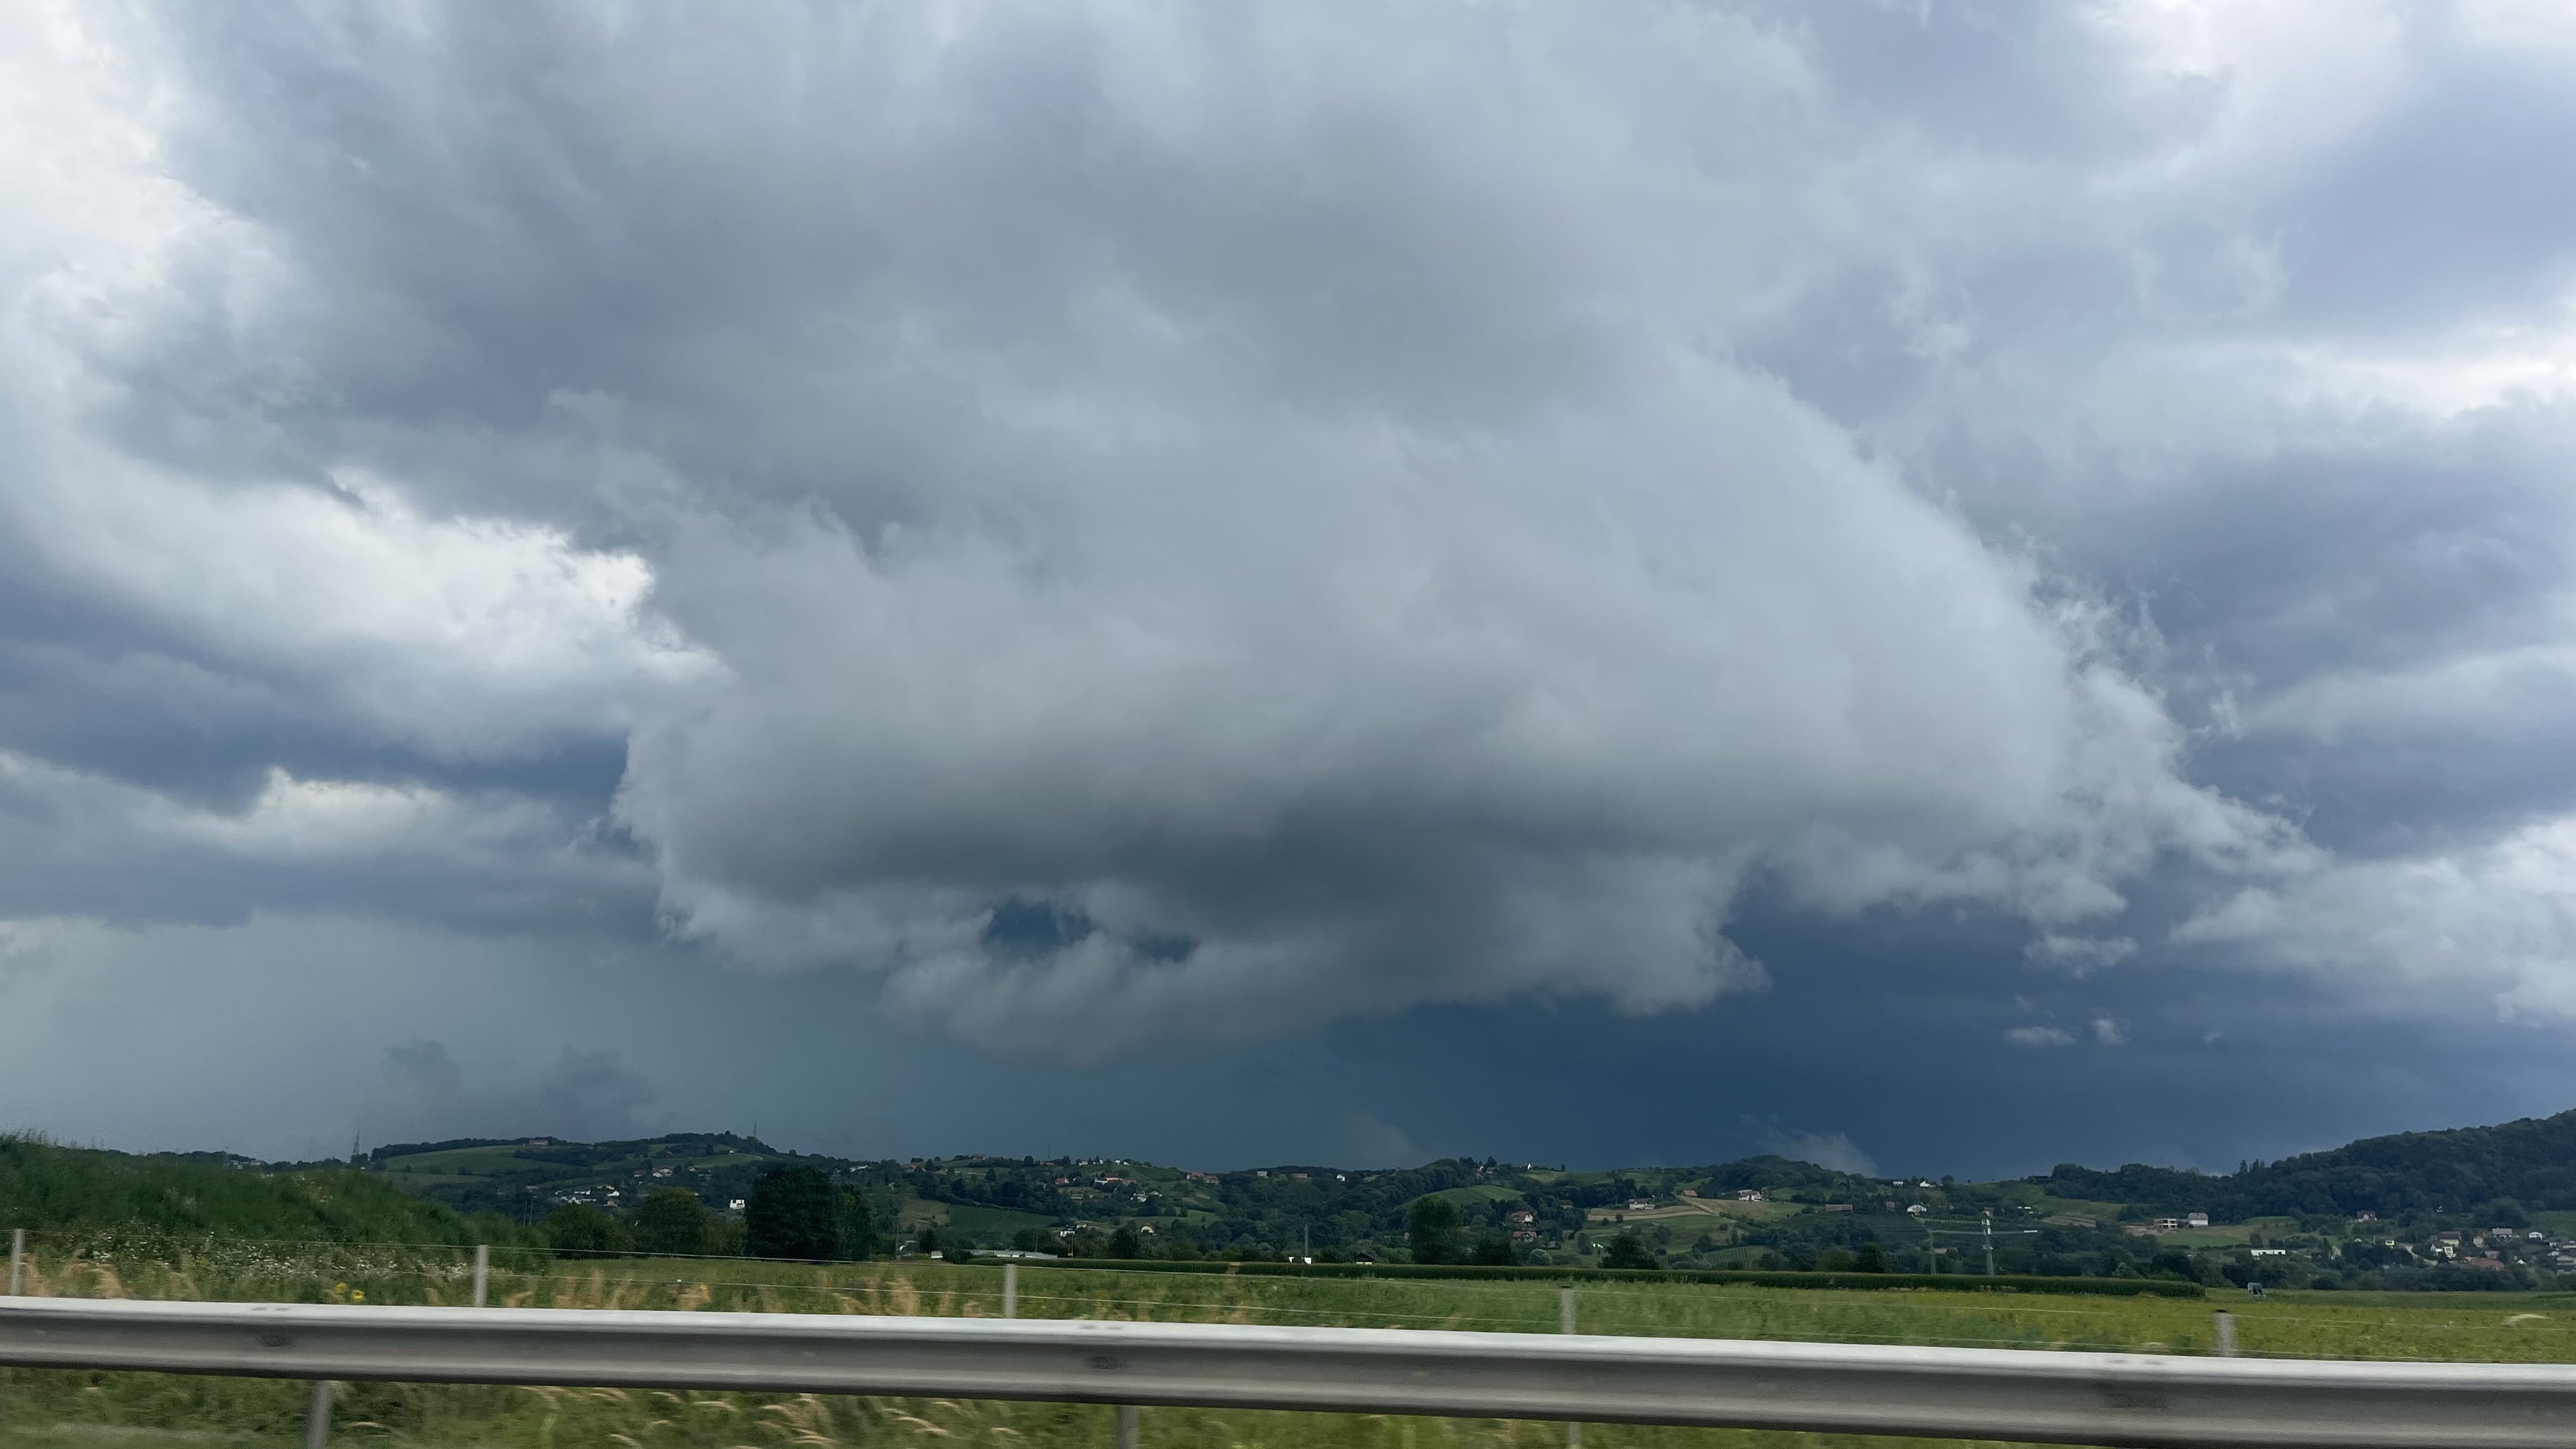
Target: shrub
(671, 1221)
(1432, 1230)
(578, 1230)
(1627, 1252)
(790, 1215)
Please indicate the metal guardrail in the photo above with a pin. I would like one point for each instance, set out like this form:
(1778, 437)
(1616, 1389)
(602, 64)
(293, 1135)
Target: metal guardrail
(2029, 1395)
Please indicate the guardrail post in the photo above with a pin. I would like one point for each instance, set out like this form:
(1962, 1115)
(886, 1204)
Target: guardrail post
(1010, 1290)
(482, 1272)
(317, 1415)
(1128, 1425)
(1565, 1324)
(17, 1259)
(2226, 1334)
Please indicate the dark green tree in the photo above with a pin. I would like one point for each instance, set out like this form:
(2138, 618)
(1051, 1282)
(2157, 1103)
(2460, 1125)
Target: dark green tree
(789, 1215)
(578, 1230)
(854, 1227)
(1123, 1243)
(1872, 1260)
(1493, 1251)
(1626, 1251)
(671, 1221)
(1431, 1227)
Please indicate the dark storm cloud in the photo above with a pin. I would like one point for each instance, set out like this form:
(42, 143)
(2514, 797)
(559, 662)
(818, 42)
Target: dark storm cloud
(586, 1096)
(1326, 511)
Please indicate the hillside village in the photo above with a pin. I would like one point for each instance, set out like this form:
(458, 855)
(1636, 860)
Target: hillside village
(2475, 1207)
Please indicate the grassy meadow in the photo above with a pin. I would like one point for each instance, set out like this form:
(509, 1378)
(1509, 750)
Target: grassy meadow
(61, 1410)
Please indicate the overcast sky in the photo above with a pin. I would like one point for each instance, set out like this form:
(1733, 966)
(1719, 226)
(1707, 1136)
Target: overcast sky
(1952, 586)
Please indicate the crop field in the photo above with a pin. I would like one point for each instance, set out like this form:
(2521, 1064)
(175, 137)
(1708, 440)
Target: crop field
(61, 1410)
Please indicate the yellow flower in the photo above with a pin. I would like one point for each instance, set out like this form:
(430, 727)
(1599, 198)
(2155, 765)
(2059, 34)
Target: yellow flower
(360, 1295)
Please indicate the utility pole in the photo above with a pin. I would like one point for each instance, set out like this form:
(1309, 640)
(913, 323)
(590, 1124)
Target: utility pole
(1984, 1232)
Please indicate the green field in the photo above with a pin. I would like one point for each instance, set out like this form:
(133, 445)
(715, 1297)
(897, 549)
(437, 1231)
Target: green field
(62, 1410)
(984, 1222)
(1487, 1193)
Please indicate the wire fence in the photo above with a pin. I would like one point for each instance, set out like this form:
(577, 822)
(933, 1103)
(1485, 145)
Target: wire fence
(2524, 1328)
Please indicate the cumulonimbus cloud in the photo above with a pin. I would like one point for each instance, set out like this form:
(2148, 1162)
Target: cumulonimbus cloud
(1272, 702)
(1390, 721)
(1130, 523)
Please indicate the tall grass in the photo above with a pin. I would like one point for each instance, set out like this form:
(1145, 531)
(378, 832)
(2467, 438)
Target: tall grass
(58, 1410)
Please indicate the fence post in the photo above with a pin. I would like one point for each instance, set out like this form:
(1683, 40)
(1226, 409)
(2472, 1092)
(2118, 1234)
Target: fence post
(1565, 1324)
(2226, 1334)
(17, 1259)
(317, 1415)
(482, 1272)
(1127, 1426)
(1010, 1290)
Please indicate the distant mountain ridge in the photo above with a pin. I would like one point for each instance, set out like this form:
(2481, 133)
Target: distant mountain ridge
(2438, 1199)
(2528, 1164)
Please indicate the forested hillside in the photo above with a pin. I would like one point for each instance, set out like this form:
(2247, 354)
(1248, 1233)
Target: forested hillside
(2481, 1207)
(48, 1188)
(2523, 1166)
